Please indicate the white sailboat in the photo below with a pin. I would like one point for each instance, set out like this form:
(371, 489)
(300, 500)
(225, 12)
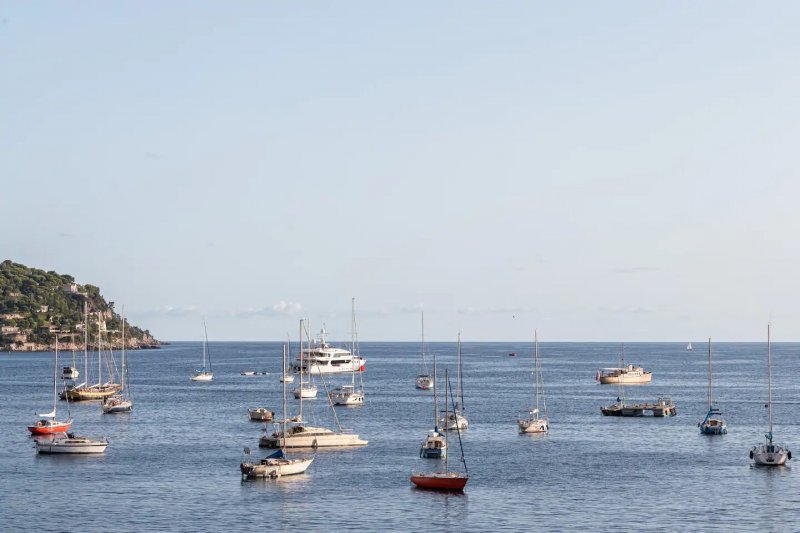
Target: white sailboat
(122, 401)
(204, 373)
(713, 423)
(424, 380)
(299, 435)
(536, 422)
(689, 347)
(769, 454)
(306, 390)
(457, 419)
(276, 464)
(286, 376)
(435, 444)
(349, 395)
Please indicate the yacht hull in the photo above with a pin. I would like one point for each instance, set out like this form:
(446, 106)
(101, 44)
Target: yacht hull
(440, 481)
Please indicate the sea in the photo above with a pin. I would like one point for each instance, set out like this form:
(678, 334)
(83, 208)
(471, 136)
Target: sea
(173, 463)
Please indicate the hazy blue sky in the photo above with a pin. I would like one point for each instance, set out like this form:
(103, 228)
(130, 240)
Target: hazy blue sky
(599, 170)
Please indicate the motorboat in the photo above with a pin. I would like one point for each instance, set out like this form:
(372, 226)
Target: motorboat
(68, 443)
(628, 375)
(260, 414)
(69, 372)
(424, 382)
(322, 358)
(434, 446)
(274, 465)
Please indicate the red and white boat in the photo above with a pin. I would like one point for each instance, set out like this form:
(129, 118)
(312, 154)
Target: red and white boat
(47, 423)
(440, 480)
(444, 480)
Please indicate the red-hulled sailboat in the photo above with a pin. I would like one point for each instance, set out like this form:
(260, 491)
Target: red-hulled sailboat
(444, 480)
(47, 423)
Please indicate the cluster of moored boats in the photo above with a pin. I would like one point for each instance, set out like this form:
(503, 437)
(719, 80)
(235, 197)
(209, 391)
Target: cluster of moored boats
(317, 361)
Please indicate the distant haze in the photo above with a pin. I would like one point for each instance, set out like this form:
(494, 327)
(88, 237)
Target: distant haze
(596, 170)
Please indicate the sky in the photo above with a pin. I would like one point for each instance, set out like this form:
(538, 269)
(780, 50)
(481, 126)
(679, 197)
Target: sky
(600, 171)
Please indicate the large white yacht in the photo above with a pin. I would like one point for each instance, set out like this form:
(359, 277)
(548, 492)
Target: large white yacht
(322, 358)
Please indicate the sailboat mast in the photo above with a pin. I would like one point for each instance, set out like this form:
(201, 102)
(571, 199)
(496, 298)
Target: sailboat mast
(86, 341)
(536, 367)
(55, 366)
(769, 379)
(283, 397)
(301, 370)
(122, 381)
(446, 413)
(710, 392)
(458, 370)
(435, 399)
(353, 341)
(424, 369)
(99, 366)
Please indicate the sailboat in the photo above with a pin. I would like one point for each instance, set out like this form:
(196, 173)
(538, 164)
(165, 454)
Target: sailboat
(457, 419)
(348, 394)
(536, 423)
(713, 423)
(435, 444)
(769, 454)
(100, 390)
(121, 402)
(287, 376)
(307, 389)
(71, 372)
(299, 435)
(424, 380)
(47, 423)
(445, 479)
(689, 347)
(204, 373)
(276, 464)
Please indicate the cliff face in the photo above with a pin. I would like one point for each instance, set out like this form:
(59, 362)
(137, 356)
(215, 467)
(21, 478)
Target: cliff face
(38, 307)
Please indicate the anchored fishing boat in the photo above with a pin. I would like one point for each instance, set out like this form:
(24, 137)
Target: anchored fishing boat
(260, 414)
(446, 479)
(769, 453)
(713, 423)
(627, 375)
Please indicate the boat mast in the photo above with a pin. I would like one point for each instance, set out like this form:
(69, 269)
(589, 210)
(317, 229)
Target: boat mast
(769, 381)
(55, 366)
(122, 380)
(536, 367)
(710, 394)
(446, 413)
(460, 388)
(435, 399)
(354, 352)
(99, 367)
(85, 341)
(283, 434)
(301, 370)
(424, 368)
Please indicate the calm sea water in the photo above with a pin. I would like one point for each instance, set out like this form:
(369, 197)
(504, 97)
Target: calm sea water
(173, 464)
